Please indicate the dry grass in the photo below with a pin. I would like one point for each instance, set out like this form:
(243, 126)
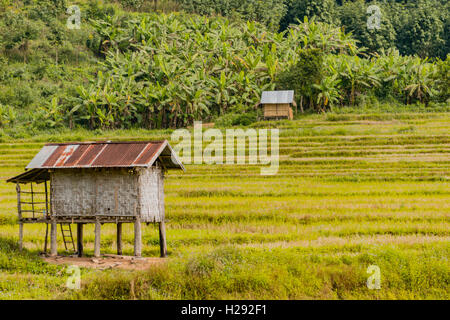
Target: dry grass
(351, 191)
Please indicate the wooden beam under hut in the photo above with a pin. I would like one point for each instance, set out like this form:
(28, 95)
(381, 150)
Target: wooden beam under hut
(119, 238)
(97, 241)
(80, 239)
(162, 239)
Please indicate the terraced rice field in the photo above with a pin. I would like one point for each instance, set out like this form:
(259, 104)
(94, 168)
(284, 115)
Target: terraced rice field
(351, 191)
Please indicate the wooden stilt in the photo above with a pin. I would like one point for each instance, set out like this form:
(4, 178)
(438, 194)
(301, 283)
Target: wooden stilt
(32, 198)
(19, 212)
(162, 239)
(20, 236)
(46, 238)
(137, 237)
(97, 239)
(19, 204)
(47, 215)
(80, 239)
(119, 238)
(53, 242)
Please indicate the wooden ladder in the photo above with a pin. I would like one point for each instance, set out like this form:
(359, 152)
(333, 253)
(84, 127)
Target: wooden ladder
(67, 236)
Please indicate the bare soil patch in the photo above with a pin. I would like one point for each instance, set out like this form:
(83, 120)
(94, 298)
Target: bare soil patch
(108, 261)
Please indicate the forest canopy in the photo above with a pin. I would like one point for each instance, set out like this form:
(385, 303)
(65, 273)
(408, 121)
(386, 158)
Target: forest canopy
(413, 27)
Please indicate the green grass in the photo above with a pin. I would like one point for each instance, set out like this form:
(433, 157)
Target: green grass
(352, 190)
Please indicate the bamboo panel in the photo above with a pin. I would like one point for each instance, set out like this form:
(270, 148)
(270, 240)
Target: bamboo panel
(277, 111)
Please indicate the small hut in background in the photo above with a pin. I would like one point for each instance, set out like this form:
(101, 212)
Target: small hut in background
(95, 182)
(278, 104)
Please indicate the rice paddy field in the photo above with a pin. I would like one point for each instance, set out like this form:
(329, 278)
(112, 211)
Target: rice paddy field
(352, 190)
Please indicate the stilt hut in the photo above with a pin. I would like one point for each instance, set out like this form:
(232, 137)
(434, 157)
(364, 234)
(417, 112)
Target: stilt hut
(277, 104)
(95, 182)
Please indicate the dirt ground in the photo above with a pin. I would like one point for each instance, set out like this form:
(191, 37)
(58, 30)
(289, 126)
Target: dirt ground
(107, 261)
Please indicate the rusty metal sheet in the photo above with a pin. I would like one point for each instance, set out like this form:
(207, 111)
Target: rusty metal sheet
(76, 155)
(105, 154)
(118, 155)
(67, 153)
(39, 159)
(148, 153)
(51, 160)
(90, 154)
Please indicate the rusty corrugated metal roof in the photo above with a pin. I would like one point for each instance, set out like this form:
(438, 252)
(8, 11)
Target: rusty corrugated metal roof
(105, 154)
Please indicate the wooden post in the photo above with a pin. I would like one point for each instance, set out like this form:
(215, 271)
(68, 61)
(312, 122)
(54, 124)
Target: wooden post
(80, 239)
(137, 237)
(19, 213)
(53, 242)
(20, 236)
(19, 204)
(32, 198)
(46, 201)
(162, 239)
(47, 216)
(119, 238)
(98, 227)
(46, 237)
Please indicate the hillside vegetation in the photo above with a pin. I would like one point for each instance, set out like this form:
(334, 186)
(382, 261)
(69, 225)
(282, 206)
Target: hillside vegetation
(414, 27)
(127, 69)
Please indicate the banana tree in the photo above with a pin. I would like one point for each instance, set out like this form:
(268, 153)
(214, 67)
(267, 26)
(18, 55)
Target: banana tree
(327, 92)
(422, 87)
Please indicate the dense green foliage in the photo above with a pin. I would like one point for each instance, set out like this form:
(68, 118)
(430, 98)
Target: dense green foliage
(165, 71)
(269, 12)
(413, 27)
(422, 29)
(321, 10)
(353, 18)
(148, 79)
(304, 76)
